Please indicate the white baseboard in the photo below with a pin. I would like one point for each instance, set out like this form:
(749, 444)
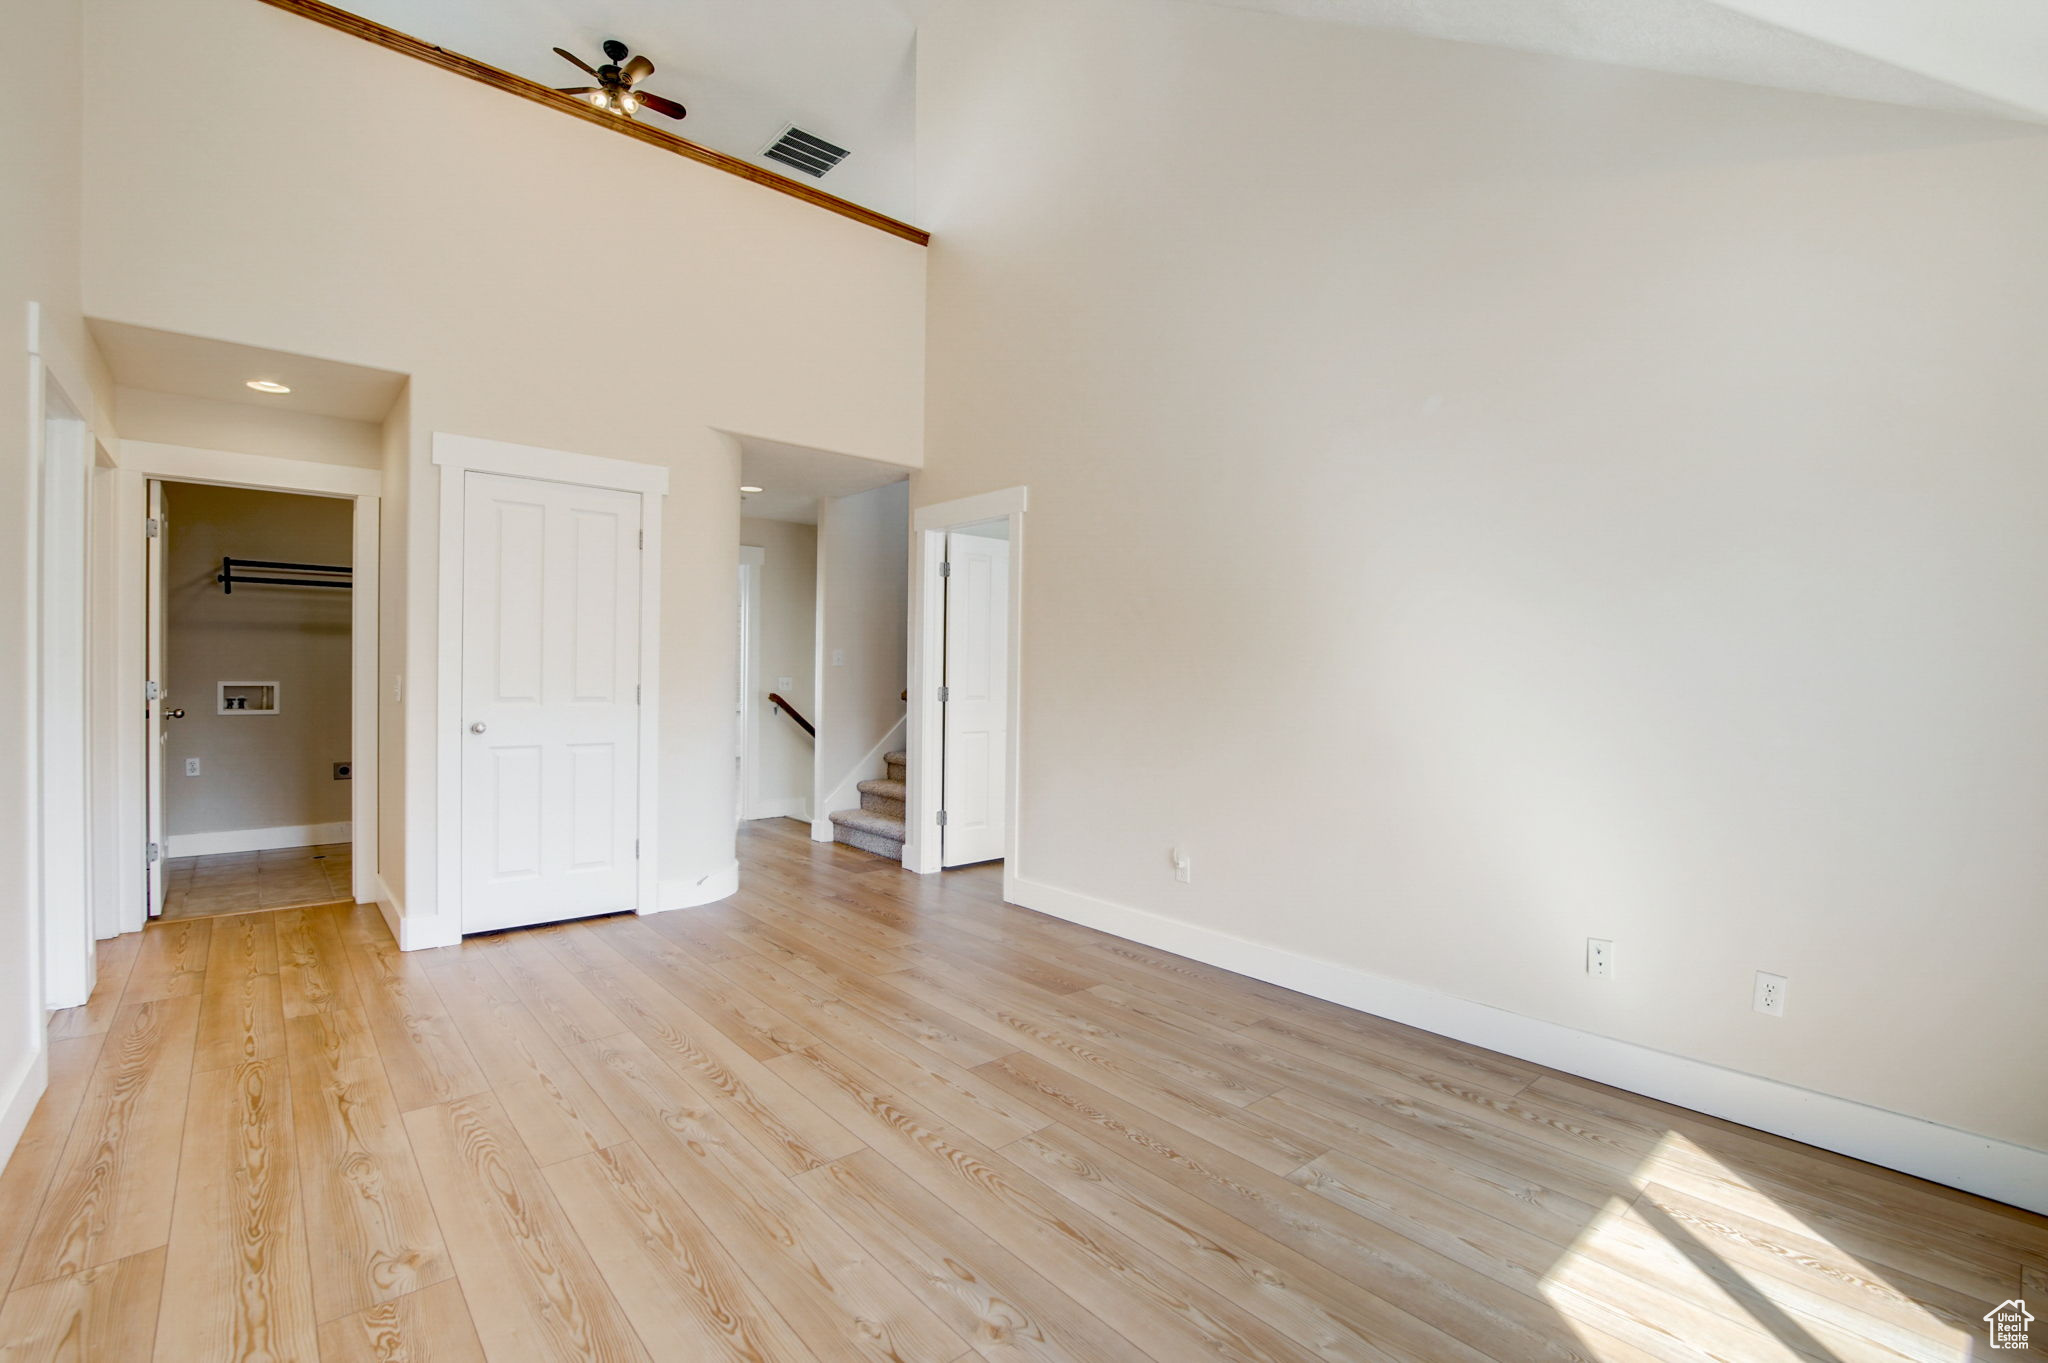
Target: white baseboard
(256, 839)
(789, 807)
(388, 905)
(18, 1101)
(413, 932)
(421, 934)
(705, 889)
(1983, 1165)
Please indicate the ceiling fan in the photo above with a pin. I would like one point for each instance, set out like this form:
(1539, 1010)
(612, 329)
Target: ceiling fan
(617, 81)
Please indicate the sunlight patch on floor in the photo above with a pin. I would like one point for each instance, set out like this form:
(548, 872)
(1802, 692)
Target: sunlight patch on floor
(1702, 1262)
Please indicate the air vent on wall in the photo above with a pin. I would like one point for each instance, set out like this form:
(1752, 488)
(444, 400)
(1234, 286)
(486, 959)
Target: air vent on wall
(811, 155)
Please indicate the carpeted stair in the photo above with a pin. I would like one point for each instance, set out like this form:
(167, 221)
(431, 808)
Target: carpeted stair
(877, 826)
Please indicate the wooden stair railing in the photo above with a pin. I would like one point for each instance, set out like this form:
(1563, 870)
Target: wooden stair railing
(791, 711)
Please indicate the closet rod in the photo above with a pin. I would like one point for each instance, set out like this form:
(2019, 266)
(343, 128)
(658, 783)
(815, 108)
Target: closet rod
(228, 579)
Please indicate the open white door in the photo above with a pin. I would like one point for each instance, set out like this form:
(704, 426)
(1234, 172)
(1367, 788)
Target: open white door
(976, 708)
(550, 701)
(159, 530)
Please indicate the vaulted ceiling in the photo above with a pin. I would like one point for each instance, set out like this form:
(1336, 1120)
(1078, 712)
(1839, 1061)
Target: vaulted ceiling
(746, 69)
(843, 69)
(1975, 56)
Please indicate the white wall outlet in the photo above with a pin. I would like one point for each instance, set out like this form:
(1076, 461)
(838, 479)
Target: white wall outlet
(1183, 867)
(1599, 957)
(397, 688)
(191, 766)
(785, 683)
(838, 657)
(1770, 993)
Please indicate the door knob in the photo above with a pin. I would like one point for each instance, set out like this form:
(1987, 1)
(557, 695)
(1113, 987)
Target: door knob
(178, 713)
(477, 727)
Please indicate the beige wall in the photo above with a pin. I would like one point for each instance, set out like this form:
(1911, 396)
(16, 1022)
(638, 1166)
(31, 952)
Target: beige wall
(431, 226)
(788, 630)
(1481, 501)
(40, 171)
(175, 419)
(863, 619)
(256, 771)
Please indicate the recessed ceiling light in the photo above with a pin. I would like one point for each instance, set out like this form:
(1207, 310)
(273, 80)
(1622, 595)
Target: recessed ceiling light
(268, 386)
(750, 489)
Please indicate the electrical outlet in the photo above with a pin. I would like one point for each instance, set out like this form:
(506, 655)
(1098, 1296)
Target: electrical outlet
(191, 766)
(397, 688)
(1770, 993)
(838, 657)
(1183, 868)
(1599, 957)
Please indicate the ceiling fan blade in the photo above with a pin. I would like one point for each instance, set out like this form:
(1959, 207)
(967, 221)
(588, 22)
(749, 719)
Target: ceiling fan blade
(660, 105)
(579, 89)
(569, 56)
(637, 70)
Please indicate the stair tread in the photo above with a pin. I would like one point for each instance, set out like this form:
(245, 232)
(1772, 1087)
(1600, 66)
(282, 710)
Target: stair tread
(867, 821)
(901, 759)
(891, 790)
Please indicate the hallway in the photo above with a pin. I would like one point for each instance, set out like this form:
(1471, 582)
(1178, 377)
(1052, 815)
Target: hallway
(853, 1113)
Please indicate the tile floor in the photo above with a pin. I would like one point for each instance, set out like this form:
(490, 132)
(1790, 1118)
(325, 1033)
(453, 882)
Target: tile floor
(244, 882)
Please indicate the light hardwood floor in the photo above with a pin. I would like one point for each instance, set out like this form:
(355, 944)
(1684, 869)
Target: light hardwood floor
(854, 1114)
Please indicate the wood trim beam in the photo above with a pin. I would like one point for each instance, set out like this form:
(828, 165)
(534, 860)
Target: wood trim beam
(405, 44)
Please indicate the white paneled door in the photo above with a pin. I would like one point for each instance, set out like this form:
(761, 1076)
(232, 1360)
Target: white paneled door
(977, 702)
(550, 701)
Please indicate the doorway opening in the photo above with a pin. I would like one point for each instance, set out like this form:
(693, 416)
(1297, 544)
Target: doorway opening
(778, 608)
(251, 644)
(964, 689)
(823, 585)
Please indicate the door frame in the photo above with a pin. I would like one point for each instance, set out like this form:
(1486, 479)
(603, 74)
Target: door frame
(62, 921)
(457, 456)
(753, 562)
(156, 664)
(140, 462)
(119, 728)
(928, 528)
